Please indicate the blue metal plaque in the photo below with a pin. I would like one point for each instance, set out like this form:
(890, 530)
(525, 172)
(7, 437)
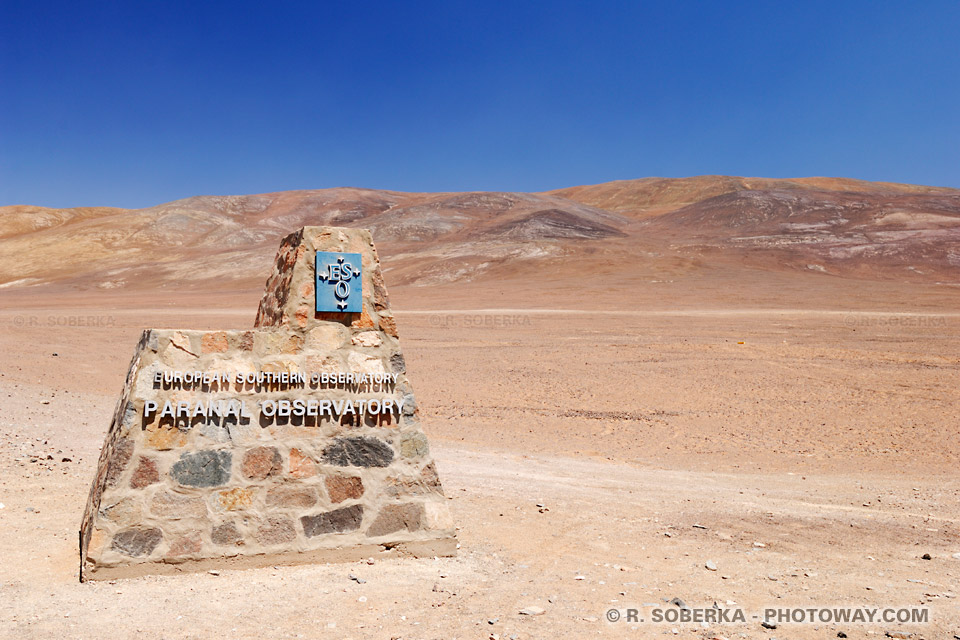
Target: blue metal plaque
(339, 283)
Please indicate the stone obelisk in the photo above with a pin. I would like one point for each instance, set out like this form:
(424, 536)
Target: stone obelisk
(297, 441)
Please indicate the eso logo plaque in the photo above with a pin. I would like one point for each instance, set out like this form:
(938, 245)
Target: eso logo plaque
(339, 282)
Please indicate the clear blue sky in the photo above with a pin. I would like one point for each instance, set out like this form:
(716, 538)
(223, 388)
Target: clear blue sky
(132, 104)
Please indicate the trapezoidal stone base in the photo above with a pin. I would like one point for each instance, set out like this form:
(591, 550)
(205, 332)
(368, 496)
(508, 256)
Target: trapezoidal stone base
(295, 442)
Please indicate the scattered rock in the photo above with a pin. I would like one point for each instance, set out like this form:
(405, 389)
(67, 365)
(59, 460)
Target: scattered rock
(356, 579)
(710, 565)
(532, 611)
(901, 635)
(926, 556)
(768, 625)
(841, 634)
(680, 603)
(698, 526)
(759, 545)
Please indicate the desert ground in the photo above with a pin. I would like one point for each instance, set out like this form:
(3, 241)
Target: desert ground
(601, 441)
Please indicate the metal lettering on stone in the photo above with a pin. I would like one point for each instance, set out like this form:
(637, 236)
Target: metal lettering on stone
(339, 282)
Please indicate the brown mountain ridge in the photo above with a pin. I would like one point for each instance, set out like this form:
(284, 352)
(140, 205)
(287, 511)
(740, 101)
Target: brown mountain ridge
(835, 226)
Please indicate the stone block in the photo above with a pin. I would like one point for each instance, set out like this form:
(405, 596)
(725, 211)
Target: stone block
(124, 512)
(203, 469)
(226, 534)
(236, 499)
(341, 488)
(214, 342)
(291, 497)
(337, 521)
(260, 463)
(358, 452)
(145, 473)
(414, 445)
(397, 517)
(301, 465)
(174, 506)
(122, 452)
(137, 542)
(367, 339)
(184, 546)
(276, 530)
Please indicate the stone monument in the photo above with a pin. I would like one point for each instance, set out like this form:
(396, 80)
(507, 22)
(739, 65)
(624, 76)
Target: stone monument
(297, 441)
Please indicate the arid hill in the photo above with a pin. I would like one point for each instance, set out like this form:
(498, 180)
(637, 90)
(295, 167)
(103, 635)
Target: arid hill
(850, 228)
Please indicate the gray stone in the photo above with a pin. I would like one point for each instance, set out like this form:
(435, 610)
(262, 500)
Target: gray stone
(203, 468)
(414, 445)
(397, 363)
(226, 534)
(409, 404)
(137, 542)
(214, 430)
(711, 565)
(337, 521)
(358, 452)
(397, 517)
(129, 415)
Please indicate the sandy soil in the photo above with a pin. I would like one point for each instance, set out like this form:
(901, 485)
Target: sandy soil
(657, 440)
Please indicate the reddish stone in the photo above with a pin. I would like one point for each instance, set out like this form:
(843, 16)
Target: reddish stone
(214, 342)
(261, 462)
(293, 344)
(389, 325)
(295, 496)
(397, 517)
(380, 298)
(145, 474)
(342, 488)
(122, 452)
(276, 531)
(301, 466)
(185, 545)
(302, 315)
(363, 321)
(246, 341)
